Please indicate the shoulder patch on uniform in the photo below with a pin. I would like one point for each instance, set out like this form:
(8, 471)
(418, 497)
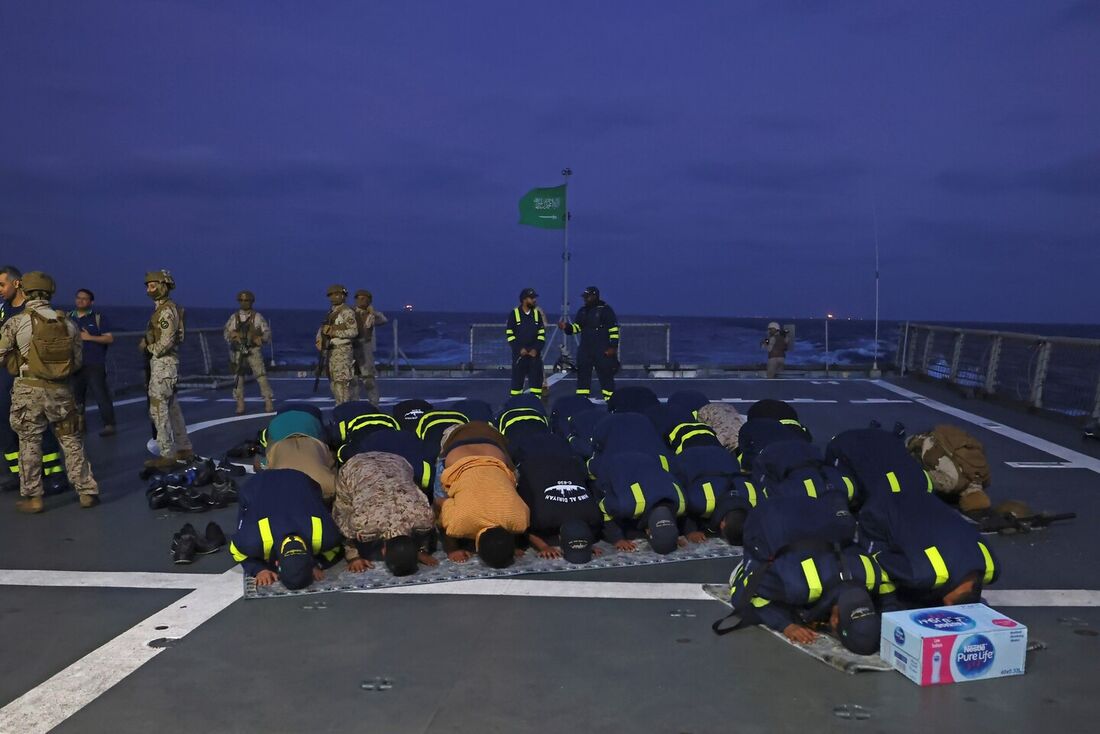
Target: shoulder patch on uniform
(164, 323)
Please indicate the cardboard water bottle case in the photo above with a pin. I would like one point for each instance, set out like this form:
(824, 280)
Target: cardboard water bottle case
(953, 644)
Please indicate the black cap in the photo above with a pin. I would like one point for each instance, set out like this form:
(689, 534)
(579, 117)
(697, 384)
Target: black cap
(401, 555)
(576, 541)
(663, 532)
(591, 291)
(528, 293)
(295, 563)
(859, 625)
(497, 547)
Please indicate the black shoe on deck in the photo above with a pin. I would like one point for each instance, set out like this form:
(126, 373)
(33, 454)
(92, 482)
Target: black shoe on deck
(183, 548)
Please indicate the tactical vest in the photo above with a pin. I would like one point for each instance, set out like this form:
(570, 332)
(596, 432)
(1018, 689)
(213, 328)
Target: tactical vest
(153, 330)
(246, 328)
(50, 352)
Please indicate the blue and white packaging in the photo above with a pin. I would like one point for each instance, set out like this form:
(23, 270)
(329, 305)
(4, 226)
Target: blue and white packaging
(953, 644)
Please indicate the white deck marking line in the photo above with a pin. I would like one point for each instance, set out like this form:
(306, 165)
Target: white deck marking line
(688, 592)
(1082, 461)
(483, 587)
(49, 704)
(105, 579)
(228, 419)
(878, 401)
(1042, 465)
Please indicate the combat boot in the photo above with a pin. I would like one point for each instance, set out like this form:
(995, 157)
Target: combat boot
(240, 406)
(161, 463)
(269, 405)
(30, 505)
(89, 500)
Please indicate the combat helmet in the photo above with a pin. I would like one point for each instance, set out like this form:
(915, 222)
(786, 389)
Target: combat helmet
(36, 280)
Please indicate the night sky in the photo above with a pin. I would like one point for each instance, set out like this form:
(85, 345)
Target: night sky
(729, 158)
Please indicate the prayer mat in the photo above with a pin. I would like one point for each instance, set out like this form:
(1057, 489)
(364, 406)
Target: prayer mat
(338, 578)
(825, 648)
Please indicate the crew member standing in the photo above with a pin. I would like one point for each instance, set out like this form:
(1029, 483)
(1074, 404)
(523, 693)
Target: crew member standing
(162, 338)
(368, 317)
(336, 337)
(525, 332)
(246, 332)
(599, 329)
(95, 333)
(777, 345)
(46, 349)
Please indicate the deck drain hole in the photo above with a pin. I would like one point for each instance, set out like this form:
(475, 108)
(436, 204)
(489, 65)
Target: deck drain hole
(683, 640)
(377, 684)
(970, 699)
(851, 711)
(161, 627)
(1086, 633)
(164, 642)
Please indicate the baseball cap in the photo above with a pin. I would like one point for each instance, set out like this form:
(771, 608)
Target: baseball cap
(401, 555)
(859, 624)
(774, 325)
(576, 541)
(663, 532)
(528, 293)
(295, 563)
(591, 291)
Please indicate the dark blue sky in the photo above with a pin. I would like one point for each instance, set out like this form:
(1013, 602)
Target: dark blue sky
(727, 156)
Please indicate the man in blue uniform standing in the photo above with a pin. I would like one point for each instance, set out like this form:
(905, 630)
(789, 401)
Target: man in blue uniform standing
(599, 329)
(284, 531)
(96, 337)
(526, 335)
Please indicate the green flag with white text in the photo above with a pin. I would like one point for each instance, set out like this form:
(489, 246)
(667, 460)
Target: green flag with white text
(543, 208)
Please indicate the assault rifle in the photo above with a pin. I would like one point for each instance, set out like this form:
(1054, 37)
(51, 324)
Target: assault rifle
(322, 362)
(1008, 523)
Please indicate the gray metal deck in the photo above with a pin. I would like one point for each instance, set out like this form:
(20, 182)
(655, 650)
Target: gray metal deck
(595, 663)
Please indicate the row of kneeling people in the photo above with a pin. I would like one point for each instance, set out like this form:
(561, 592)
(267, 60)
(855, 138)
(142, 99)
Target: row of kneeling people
(829, 537)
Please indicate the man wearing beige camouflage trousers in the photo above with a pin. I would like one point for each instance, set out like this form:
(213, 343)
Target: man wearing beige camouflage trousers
(163, 336)
(47, 350)
(336, 337)
(246, 332)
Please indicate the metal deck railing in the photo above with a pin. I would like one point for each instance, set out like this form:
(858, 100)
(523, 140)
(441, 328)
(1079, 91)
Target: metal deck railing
(1057, 373)
(641, 345)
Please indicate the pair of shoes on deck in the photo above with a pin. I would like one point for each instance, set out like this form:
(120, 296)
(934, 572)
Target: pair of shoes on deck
(187, 542)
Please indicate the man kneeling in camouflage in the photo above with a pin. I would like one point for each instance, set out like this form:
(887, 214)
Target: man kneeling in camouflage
(383, 514)
(42, 349)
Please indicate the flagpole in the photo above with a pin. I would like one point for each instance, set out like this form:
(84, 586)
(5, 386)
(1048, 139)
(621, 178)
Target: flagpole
(566, 173)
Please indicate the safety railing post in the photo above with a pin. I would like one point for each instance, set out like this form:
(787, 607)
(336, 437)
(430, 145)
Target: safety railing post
(903, 349)
(668, 345)
(927, 351)
(956, 355)
(1096, 401)
(205, 347)
(1040, 374)
(396, 348)
(994, 364)
(471, 347)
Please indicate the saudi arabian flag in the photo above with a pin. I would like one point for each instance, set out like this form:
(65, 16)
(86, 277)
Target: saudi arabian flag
(543, 208)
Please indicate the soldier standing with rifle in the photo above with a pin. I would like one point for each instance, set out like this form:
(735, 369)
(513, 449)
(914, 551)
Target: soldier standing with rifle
(334, 341)
(369, 318)
(246, 332)
(162, 338)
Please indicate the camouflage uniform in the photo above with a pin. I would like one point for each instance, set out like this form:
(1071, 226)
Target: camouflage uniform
(368, 318)
(947, 477)
(162, 338)
(36, 403)
(248, 328)
(377, 499)
(342, 328)
(725, 421)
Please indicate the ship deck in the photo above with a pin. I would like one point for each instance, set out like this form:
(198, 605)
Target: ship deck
(84, 592)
